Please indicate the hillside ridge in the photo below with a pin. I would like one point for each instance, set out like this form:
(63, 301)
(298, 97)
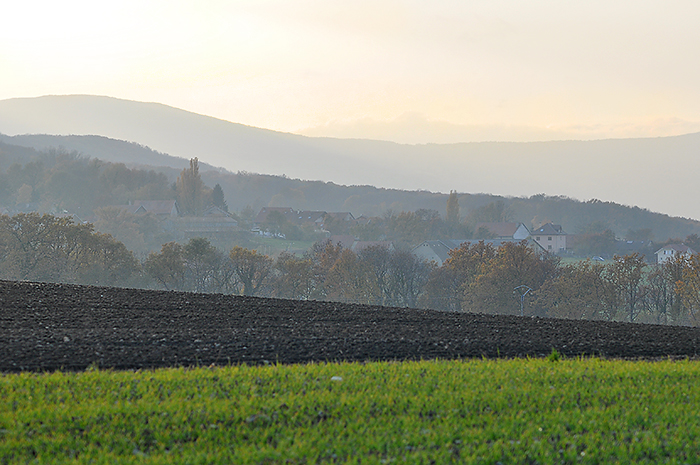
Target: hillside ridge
(625, 171)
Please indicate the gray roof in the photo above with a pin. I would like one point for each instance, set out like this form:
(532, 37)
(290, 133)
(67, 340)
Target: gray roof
(550, 229)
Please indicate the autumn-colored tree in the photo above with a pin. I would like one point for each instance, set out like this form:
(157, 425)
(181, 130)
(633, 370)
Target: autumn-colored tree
(442, 291)
(168, 266)
(675, 271)
(40, 247)
(577, 291)
(445, 286)
(47, 248)
(250, 268)
(294, 277)
(190, 190)
(323, 255)
(659, 295)
(689, 288)
(222, 277)
(109, 262)
(349, 280)
(515, 264)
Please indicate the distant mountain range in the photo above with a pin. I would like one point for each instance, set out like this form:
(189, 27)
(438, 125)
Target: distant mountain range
(659, 174)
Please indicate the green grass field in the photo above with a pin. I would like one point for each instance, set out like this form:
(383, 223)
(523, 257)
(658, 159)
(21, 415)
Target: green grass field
(475, 411)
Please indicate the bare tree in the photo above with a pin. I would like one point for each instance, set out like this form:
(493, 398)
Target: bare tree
(626, 274)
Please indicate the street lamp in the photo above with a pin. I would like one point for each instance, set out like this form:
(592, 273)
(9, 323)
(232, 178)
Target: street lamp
(523, 290)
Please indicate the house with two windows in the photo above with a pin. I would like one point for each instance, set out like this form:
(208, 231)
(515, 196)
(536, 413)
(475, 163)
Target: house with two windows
(551, 237)
(668, 252)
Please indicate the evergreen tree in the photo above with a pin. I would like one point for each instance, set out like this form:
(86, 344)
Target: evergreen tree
(218, 198)
(452, 208)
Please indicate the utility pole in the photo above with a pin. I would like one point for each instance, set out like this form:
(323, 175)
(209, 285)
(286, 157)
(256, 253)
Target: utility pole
(522, 290)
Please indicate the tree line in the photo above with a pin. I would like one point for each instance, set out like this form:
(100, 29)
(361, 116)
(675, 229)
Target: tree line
(479, 278)
(37, 247)
(376, 275)
(475, 278)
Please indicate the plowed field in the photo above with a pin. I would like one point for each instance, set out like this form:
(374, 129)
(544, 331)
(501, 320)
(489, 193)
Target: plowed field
(59, 326)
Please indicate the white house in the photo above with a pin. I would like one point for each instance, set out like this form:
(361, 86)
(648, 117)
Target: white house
(503, 230)
(667, 252)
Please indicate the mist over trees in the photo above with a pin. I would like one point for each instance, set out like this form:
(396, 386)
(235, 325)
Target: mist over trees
(37, 247)
(56, 179)
(477, 277)
(59, 246)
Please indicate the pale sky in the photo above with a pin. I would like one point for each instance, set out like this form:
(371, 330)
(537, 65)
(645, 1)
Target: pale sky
(409, 71)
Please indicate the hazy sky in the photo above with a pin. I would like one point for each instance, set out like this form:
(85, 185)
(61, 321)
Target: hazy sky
(410, 71)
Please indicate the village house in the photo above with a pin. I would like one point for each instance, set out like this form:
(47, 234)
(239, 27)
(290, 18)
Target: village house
(551, 237)
(502, 231)
(668, 252)
(214, 224)
(160, 208)
(341, 216)
(623, 248)
(318, 219)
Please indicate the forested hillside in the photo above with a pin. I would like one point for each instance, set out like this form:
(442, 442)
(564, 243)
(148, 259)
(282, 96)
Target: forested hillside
(104, 148)
(68, 181)
(120, 247)
(606, 169)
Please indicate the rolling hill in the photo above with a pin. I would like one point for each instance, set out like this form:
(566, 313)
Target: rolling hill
(654, 173)
(243, 189)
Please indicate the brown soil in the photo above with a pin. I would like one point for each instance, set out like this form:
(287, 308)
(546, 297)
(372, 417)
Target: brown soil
(59, 326)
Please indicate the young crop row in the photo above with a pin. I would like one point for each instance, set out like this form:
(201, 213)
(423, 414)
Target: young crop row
(473, 411)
